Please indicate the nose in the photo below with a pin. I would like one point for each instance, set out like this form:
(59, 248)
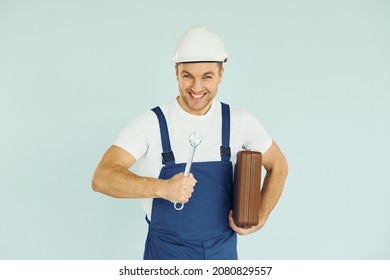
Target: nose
(197, 86)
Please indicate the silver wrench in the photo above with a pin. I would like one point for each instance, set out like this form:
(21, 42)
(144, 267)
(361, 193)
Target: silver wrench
(195, 140)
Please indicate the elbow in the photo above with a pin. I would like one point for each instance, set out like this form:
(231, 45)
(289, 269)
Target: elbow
(102, 183)
(96, 182)
(280, 169)
(284, 170)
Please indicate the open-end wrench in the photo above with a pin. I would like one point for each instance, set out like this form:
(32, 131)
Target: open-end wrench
(195, 140)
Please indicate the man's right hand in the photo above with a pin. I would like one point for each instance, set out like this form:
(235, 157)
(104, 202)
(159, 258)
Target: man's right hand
(179, 188)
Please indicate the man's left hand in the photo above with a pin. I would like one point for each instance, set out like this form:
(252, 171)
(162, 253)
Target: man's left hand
(244, 231)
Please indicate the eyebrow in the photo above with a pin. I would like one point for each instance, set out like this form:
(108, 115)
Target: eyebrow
(204, 74)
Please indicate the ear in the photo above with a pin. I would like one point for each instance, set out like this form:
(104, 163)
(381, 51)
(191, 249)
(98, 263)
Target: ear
(221, 74)
(177, 72)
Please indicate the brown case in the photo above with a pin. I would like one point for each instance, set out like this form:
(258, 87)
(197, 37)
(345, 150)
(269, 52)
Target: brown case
(246, 191)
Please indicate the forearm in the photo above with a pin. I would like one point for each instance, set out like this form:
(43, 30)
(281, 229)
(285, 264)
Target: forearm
(119, 182)
(271, 191)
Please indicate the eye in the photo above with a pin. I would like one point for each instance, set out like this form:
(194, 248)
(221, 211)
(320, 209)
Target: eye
(207, 77)
(186, 76)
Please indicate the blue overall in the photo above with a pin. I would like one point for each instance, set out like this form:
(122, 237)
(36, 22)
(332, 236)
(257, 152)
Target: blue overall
(201, 229)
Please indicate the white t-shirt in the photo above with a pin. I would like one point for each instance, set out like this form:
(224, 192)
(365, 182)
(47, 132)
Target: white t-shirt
(141, 137)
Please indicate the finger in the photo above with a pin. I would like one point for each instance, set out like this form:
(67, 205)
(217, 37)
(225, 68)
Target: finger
(183, 200)
(192, 178)
(232, 224)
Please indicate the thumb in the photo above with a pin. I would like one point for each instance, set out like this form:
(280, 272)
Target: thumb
(192, 177)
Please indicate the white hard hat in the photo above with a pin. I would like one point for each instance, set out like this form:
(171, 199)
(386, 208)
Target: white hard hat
(198, 44)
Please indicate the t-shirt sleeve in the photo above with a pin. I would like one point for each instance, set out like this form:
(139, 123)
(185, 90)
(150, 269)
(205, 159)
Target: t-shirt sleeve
(134, 137)
(256, 137)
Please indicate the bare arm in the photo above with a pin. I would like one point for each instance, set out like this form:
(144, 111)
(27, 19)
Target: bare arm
(113, 178)
(275, 164)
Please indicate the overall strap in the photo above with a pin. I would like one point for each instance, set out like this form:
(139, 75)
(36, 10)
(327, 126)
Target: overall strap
(167, 154)
(225, 148)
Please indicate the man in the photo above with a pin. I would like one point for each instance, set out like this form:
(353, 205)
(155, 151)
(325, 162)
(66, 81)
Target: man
(158, 140)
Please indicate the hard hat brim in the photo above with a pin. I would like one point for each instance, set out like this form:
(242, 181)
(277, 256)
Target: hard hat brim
(202, 61)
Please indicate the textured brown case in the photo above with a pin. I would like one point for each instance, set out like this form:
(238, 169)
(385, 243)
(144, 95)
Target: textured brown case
(246, 191)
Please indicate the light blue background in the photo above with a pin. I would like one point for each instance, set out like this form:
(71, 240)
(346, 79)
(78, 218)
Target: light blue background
(316, 73)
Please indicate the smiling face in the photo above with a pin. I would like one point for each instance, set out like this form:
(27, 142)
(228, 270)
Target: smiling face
(198, 85)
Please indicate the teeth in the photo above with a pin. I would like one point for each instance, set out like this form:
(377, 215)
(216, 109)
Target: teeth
(196, 96)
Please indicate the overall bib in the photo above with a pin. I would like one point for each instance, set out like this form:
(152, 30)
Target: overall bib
(201, 229)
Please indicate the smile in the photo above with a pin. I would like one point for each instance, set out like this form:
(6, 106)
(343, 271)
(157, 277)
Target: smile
(196, 96)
